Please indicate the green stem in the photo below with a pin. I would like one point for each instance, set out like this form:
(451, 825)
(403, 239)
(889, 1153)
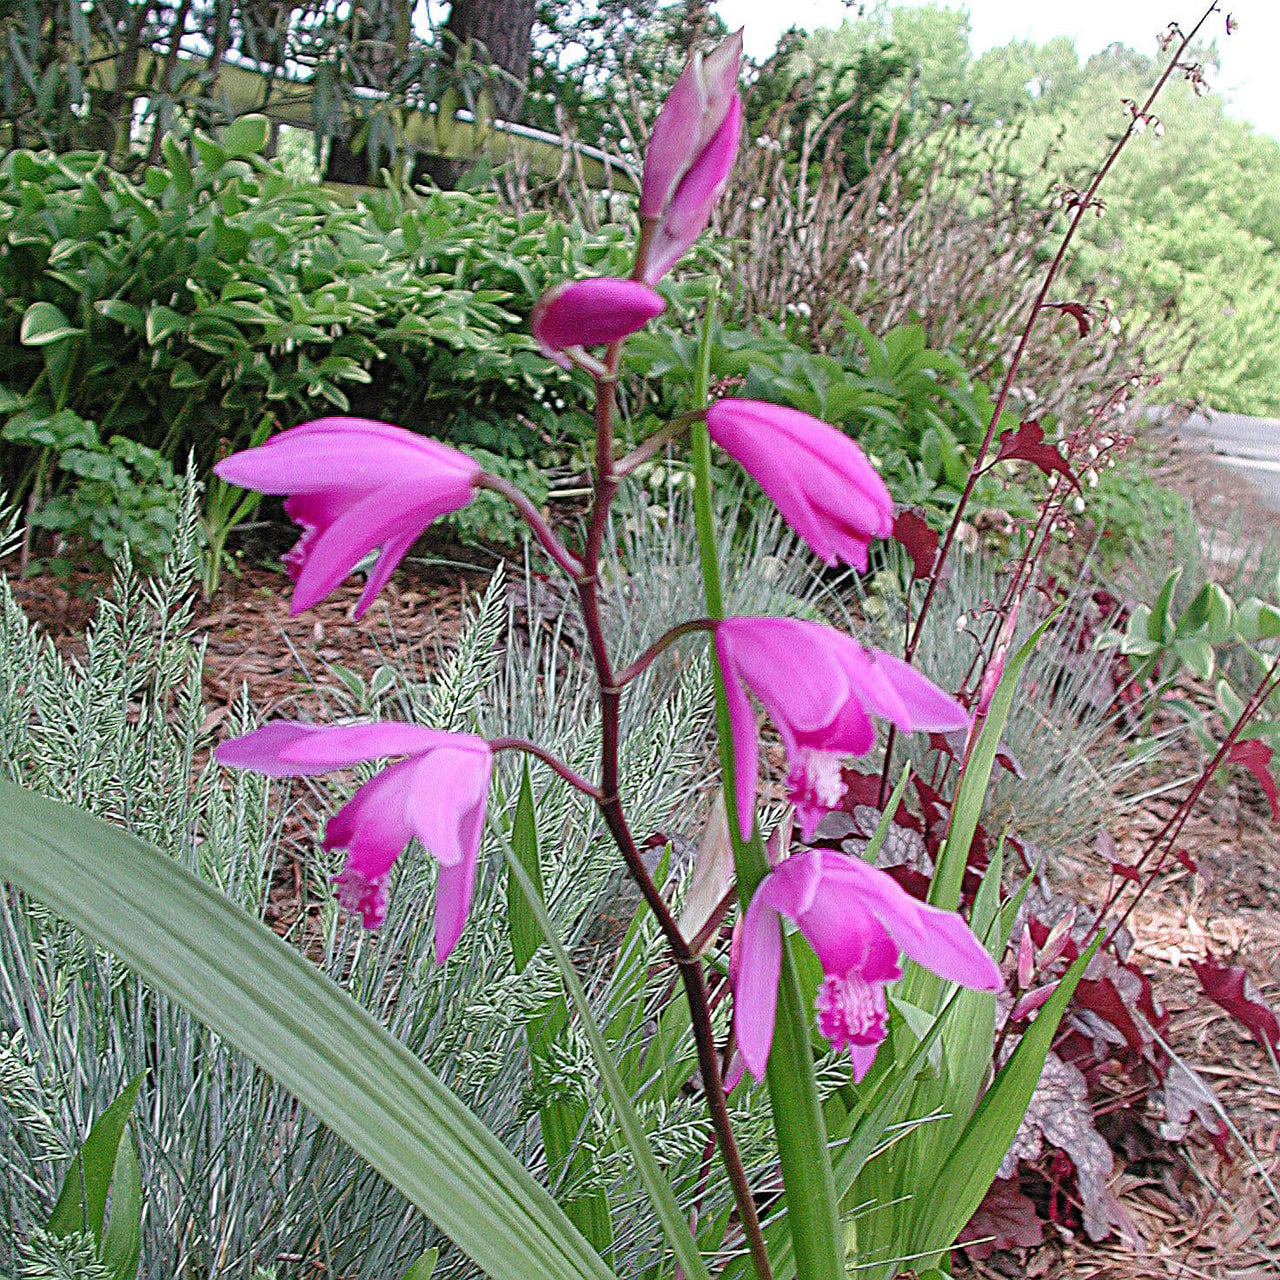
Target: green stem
(812, 1210)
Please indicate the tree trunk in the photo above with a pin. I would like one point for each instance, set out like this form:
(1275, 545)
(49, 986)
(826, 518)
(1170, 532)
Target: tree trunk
(505, 30)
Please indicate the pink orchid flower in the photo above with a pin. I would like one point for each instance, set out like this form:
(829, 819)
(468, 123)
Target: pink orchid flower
(590, 313)
(820, 688)
(857, 919)
(437, 793)
(817, 477)
(693, 112)
(353, 485)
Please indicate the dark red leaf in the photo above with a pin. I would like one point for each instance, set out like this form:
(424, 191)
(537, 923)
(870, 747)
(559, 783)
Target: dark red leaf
(1006, 1219)
(1255, 755)
(921, 543)
(1186, 860)
(1126, 872)
(1232, 988)
(1076, 310)
(1029, 444)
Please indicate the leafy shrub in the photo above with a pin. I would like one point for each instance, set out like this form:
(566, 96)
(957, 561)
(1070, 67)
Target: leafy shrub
(172, 312)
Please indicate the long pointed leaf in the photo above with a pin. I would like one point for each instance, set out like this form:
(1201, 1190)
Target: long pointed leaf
(663, 1199)
(236, 976)
(82, 1203)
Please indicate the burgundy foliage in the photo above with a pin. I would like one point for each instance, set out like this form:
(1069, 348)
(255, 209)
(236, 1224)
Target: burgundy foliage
(1028, 443)
(1231, 988)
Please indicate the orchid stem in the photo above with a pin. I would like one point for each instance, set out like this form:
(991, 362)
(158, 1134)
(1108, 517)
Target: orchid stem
(609, 800)
(664, 435)
(573, 778)
(660, 646)
(535, 520)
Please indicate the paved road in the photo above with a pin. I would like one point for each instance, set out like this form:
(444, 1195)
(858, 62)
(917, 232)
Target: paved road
(1249, 445)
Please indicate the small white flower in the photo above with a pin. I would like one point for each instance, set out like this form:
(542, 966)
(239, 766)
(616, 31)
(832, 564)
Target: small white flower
(1091, 478)
(1114, 325)
(1077, 505)
(1106, 442)
(962, 623)
(756, 203)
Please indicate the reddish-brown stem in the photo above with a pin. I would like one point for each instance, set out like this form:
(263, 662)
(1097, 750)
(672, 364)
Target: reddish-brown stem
(608, 798)
(573, 778)
(535, 520)
(660, 646)
(651, 444)
(1083, 204)
(1169, 833)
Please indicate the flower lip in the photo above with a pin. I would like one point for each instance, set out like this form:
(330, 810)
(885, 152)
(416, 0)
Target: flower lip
(857, 919)
(591, 313)
(353, 485)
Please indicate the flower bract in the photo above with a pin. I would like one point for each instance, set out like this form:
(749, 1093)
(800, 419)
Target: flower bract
(437, 792)
(857, 919)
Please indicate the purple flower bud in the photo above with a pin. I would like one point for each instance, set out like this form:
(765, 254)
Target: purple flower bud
(816, 476)
(693, 112)
(689, 210)
(591, 313)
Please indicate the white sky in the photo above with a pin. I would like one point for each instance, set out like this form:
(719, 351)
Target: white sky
(1248, 78)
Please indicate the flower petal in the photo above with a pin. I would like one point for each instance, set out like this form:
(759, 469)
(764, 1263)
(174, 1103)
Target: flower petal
(929, 710)
(745, 739)
(287, 748)
(391, 513)
(938, 940)
(589, 313)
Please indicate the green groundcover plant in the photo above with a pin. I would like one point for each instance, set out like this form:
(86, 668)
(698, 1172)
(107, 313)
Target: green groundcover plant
(859, 1018)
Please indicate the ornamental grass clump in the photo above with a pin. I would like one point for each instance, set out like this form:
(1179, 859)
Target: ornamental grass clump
(872, 1026)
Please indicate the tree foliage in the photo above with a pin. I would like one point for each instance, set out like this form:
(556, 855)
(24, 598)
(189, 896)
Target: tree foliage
(1191, 229)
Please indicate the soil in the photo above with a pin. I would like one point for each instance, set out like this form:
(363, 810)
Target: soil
(1198, 1214)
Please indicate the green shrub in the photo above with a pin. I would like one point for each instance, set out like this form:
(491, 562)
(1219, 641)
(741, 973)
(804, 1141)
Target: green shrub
(142, 321)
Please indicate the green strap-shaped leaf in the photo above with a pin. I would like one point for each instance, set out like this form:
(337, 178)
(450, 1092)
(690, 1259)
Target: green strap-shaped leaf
(82, 1203)
(236, 976)
(122, 1238)
(425, 1266)
(521, 925)
(971, 1167)
(561, 1119)
(944, 891)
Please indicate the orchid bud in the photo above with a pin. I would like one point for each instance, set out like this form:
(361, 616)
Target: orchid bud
(590, 313)
(692, 148)
(689, 209)
(690, 117)
(1026, 958)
